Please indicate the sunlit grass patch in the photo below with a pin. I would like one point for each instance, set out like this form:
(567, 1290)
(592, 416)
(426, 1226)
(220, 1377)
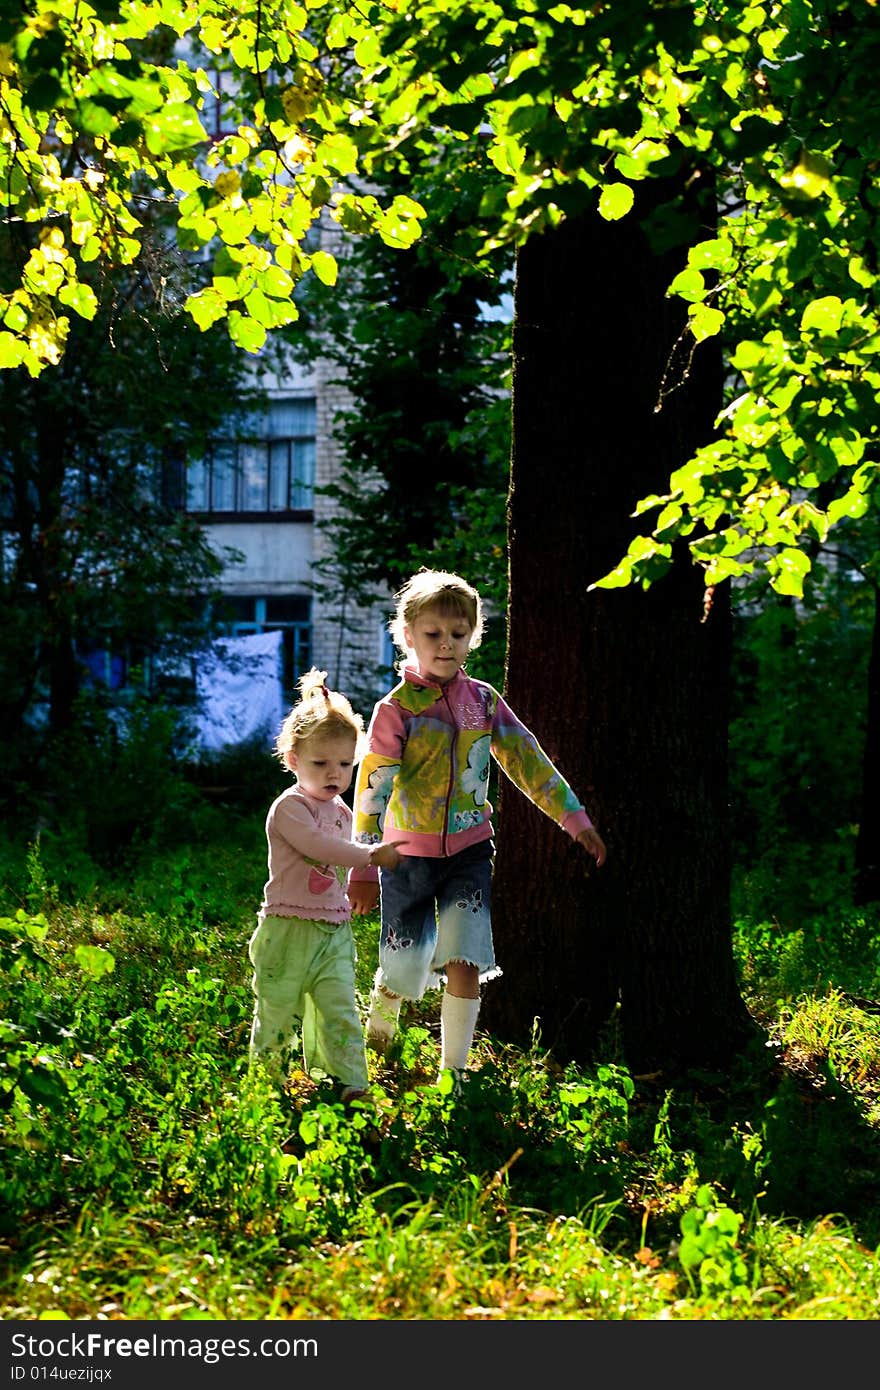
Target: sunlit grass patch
(149, 1172)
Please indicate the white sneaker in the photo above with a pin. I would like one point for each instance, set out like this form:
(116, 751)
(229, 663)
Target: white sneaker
(381, 1021)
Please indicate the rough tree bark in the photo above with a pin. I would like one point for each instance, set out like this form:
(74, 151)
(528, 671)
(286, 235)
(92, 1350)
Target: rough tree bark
(626, 689)
(866, 887)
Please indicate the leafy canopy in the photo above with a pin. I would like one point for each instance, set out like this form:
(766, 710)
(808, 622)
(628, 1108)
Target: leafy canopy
(94, 128)
(570, 107)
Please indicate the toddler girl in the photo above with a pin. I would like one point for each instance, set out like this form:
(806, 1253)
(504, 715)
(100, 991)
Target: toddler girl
(302, 950)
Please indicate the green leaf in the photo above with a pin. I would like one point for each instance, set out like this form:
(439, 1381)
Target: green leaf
(206, 307)
(747, 355)
(859, 272)
(80, 298)
(721, 567)
(339, 31)
(398, 225)
(94, 961)
(810, 177)
(16, 317)
(787, 571)
(853, 504)
(259, 307)
(824, 315)
(276, 282)
(246, 332)
(174, 127)
(647, 559)
(714, 254)
(688, 284)
(338, 152)
(95, 119)
(506, 154)
(235, 225)
(11, 350)
(615, 201)
(325, 267)
(704, 321)
(618, 578)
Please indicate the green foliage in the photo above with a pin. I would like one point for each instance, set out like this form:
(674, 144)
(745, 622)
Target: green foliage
(118, 786)
(551, 111)
(425, 431)
(28, 1075)
(794, 731)
(708, 1248)
(240, 779)
(100, 557)
(580, 106)
(147, 1171)
(100, 109)
(797, 731)
(780, 960)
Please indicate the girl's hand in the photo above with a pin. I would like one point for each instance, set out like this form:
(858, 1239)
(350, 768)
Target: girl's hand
(385, 856)
(364, 898)
(593, 844)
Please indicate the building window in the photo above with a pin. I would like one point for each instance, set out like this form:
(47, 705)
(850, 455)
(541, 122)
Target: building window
(291, 614)
(268, 471)
(105, 668)
(218, 106)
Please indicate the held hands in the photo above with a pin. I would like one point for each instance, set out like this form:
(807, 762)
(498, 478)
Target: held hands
(364, 897)
(384, 856)
(593, 844)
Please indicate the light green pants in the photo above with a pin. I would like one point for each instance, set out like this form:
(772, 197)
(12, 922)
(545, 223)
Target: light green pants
(304, 980)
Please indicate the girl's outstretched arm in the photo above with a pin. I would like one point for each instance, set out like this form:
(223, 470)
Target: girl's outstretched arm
(593, 843)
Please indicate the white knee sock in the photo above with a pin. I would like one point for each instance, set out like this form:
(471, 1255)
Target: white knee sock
(458, 1019)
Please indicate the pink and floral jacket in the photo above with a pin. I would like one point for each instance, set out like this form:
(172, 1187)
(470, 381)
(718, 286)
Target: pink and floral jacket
(423, 784)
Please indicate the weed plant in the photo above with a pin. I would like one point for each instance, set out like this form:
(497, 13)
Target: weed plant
(146, 1173)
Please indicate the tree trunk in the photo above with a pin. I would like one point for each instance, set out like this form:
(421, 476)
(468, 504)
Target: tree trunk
(64, 676)
(51, 562)
(626, 689)
(866, 888)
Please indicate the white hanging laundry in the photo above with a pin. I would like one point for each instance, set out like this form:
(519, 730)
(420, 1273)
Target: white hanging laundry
(238, 691)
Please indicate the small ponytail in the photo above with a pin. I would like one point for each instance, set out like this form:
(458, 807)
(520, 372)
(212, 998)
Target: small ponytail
(319, 710)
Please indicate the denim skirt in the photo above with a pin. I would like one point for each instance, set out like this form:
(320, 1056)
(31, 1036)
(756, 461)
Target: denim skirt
(435, 911)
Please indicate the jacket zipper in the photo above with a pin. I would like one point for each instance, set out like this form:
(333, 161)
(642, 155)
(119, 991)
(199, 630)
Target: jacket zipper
(451, 783)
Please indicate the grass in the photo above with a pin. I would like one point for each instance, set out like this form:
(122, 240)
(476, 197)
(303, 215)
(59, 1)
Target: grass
(147, 1175)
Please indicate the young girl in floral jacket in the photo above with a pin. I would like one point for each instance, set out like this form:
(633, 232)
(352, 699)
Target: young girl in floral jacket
(423, 787)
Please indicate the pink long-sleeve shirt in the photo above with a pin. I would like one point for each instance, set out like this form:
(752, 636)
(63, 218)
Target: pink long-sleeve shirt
(310, 856)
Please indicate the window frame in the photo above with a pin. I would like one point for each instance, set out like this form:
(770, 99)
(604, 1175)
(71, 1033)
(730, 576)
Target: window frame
(235, 471)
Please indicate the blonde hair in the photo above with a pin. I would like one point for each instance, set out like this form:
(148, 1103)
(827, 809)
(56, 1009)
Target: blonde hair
(318, 711)
(448, 593)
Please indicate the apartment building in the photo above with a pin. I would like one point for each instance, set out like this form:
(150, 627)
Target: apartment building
(262, 497)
